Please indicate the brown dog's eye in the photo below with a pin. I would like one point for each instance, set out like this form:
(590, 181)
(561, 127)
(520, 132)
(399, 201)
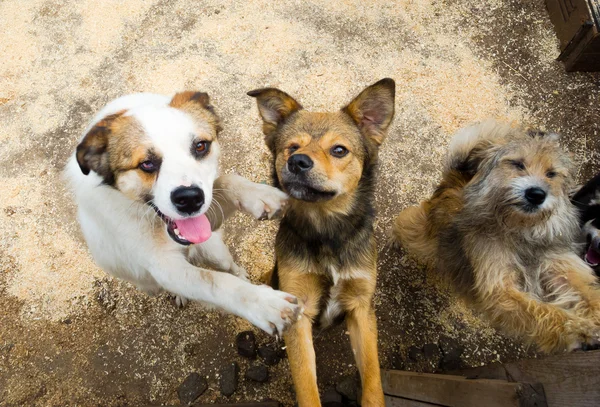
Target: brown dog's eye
(293, 148)
(339, 151)
(518, 165)
(201, 148)
(551, 174)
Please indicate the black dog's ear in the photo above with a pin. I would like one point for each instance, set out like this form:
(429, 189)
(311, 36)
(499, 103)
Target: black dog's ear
(92, 153)
(373, 109)
(588, 193)
(274, 107)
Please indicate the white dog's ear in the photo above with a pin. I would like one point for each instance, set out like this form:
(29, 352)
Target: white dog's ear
(92, 154)
(373, 109)
(191, 98)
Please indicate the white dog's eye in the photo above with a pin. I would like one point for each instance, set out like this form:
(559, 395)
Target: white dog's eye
(201, 148)
(148, 166)
(551, 174)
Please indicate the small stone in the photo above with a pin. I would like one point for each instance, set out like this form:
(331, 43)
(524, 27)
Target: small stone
(331, 398)
(192, 349)
(229, 379)
(258, 373)
(246, 344)
(451, 360)
(348, 387)
(67, 321)
(448, 344)
(415, 354)
(270, 354)
(192, 387)
(432, 351)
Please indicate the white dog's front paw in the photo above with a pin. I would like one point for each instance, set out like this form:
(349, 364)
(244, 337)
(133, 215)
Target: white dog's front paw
(271, 310)
(180, 301)
(261, 201)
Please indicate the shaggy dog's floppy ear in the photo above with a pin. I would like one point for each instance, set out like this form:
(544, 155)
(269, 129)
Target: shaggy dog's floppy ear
(373, 109)
(554, 137)
(92, 152)
(274, 106)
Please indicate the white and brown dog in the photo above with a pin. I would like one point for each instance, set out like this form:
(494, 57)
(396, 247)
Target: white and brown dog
(144, 176)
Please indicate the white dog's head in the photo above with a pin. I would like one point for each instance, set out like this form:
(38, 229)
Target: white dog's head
(164, 156)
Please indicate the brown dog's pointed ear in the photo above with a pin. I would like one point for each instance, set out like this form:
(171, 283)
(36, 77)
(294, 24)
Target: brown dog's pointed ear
(91, 152)
(274, 107)
(373, 109)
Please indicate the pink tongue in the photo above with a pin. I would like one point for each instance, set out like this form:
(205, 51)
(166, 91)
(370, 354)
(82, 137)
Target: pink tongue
(593, 256)
(195, 230)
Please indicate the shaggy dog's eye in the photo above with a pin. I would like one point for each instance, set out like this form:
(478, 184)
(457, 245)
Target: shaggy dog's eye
(148, 166)
(201, 148)
(293, 148)
(551, 174)
(518, 164)
(339, 151)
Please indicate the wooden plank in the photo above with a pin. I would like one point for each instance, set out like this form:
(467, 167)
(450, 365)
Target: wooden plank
(255, 404)
(400, 402)
(569, 380)
(451, 391)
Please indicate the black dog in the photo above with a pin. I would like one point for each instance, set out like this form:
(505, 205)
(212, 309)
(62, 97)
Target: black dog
(587, 199)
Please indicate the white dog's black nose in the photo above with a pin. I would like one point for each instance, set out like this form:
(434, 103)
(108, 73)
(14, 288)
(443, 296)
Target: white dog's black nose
(535, 196)
(187, 199)
(298, 163)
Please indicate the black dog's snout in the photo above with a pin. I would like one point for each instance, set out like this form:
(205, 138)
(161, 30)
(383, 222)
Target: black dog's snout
(187, 199)
(298, 163)
(535, 196)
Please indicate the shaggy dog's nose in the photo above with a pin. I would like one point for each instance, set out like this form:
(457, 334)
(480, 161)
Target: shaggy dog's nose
(535, 196)
(299, 163)
(187, 199)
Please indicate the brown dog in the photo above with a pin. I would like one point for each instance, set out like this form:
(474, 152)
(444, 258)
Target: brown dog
(501, 227)
(325, 248)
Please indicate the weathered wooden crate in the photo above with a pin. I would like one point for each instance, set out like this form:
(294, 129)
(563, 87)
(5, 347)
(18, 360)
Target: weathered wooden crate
(577, 27)
(569, 380)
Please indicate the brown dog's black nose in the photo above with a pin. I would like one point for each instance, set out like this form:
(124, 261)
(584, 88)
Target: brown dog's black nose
(187, 199)
(535, 196)
(298, 163)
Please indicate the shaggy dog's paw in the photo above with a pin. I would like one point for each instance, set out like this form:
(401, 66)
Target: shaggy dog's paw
(271, 310)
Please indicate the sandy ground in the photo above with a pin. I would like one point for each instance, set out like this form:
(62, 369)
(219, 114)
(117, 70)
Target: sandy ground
(70, 335)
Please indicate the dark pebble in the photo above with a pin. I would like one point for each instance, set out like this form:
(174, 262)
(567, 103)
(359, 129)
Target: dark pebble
(192, 349)
(331, 398)
(258, 373)
(432, 351)
(192, 387)
(229, 379)
(348, 387)
(270, 354)
(246, 344)
(415, 354)
(451, 360)
(448, 344)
